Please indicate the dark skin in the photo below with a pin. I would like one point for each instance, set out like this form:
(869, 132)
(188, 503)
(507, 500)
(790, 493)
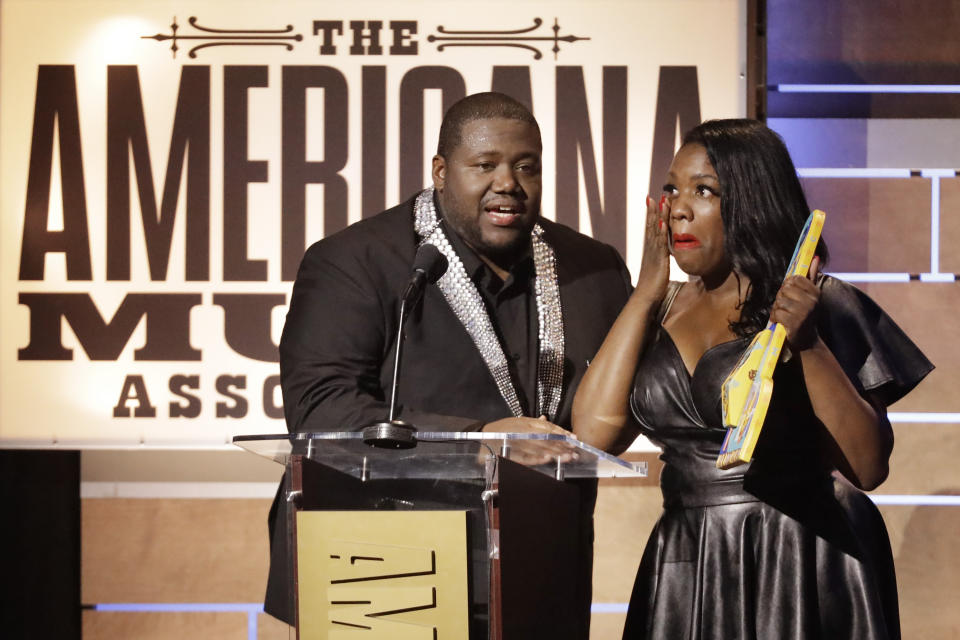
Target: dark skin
(489, 187)
(686, 223)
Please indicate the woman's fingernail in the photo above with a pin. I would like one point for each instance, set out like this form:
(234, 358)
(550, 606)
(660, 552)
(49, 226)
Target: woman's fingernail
(660, 224)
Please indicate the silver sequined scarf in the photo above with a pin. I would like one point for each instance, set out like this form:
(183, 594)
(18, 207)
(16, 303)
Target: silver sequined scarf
(462, 296)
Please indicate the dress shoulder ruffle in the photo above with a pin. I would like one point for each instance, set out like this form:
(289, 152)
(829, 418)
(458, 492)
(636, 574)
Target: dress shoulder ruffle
(867, 343)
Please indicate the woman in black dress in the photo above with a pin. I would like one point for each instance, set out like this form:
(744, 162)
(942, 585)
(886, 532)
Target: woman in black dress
(786, 546)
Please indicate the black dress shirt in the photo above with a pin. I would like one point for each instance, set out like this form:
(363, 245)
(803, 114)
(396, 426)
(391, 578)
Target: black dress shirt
(512, 307)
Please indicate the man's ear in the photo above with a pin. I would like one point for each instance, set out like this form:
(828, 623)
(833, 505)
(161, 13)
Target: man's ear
(439, 172)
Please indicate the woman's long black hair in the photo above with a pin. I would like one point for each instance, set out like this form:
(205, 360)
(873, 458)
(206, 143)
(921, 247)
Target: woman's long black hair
(762, 206)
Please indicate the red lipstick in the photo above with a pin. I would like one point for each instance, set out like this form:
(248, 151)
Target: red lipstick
(685, 241)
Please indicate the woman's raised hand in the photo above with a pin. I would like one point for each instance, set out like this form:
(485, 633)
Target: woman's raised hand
(795, 308)
(655, 265)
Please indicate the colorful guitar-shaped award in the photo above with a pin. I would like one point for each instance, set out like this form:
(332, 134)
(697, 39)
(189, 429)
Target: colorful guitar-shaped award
(745, 395)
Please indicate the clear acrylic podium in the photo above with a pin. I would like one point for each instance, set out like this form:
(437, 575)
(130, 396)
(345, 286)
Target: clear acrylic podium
(527, 528)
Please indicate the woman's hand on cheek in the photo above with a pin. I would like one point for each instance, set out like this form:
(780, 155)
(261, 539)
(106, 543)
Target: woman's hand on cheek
(655, 264)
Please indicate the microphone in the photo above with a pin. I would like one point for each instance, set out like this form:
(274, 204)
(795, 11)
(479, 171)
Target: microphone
(428, 266)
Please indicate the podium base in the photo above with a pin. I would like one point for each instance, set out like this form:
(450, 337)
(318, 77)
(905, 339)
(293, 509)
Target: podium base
(395, 434)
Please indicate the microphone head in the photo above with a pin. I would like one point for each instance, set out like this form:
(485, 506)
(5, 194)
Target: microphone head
(430, 262)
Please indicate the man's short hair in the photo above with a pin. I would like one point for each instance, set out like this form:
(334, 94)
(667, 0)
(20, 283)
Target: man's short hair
(479, 106)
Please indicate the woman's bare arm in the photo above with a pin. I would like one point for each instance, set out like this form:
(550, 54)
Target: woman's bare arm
(858, 425)
(600, 408)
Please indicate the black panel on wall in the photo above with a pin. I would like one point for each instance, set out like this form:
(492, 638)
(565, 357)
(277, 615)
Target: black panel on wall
(881, 42)
(39, 544)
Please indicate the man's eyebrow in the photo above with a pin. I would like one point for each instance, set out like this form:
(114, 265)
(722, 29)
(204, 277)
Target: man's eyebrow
(534, 155)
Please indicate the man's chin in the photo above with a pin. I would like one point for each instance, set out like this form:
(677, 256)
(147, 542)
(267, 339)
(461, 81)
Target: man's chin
(506, 248)
(517, 233)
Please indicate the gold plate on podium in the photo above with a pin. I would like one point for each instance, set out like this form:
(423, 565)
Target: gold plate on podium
(400, 575)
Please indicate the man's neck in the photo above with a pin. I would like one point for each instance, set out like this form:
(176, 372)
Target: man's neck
(500, 271)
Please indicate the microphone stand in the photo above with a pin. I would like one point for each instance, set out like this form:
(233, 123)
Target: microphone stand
(428, 265)
(393, 433)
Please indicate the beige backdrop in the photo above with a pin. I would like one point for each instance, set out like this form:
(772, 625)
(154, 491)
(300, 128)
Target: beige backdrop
(97, 57)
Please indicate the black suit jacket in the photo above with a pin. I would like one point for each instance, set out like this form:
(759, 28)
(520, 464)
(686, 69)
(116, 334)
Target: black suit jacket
(338, 343)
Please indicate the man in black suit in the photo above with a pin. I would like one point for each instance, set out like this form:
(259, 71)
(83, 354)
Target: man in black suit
(508, 268)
